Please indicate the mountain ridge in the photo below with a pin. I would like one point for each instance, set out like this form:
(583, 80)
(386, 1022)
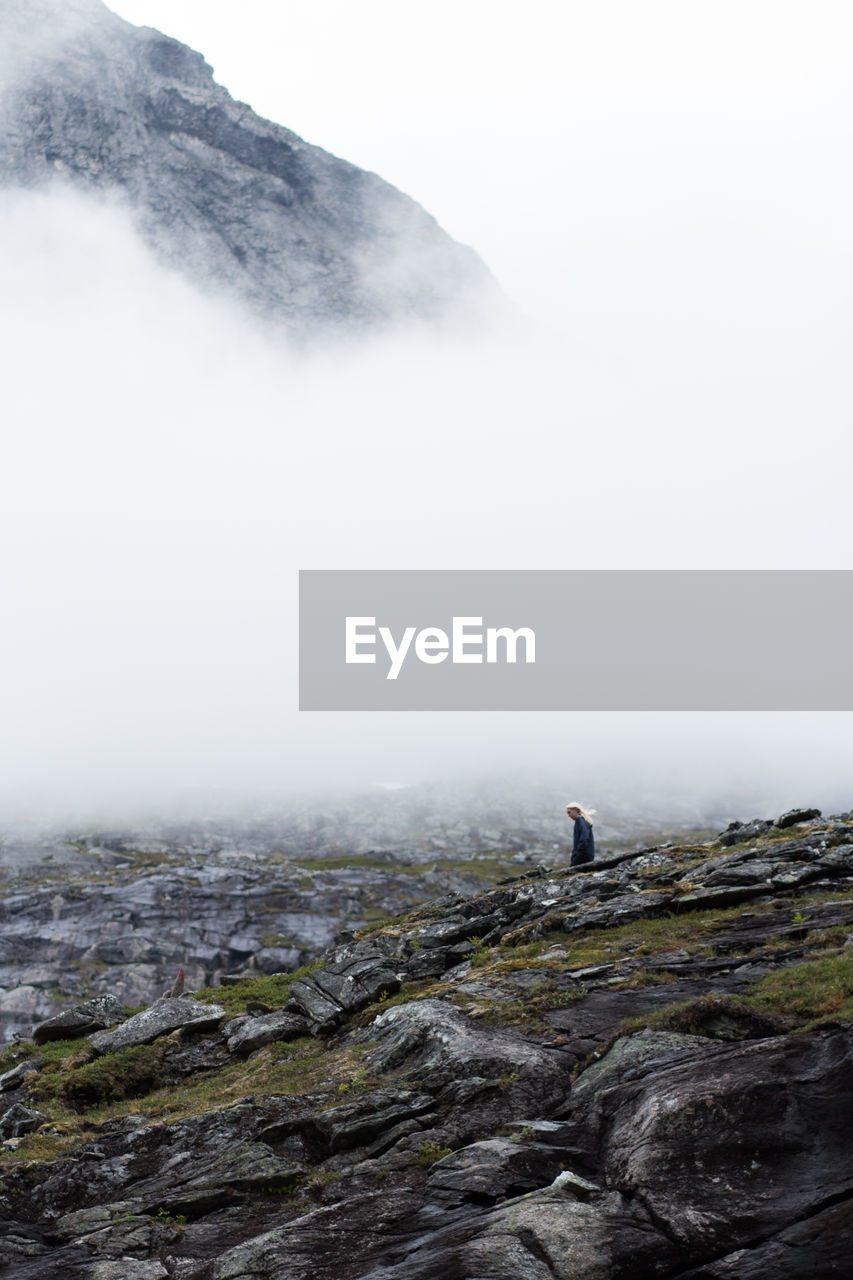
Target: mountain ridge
(229, 199)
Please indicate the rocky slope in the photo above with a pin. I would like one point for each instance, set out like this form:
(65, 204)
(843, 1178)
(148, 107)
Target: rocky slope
(640, 1068)
(120, 917)
(117, 910)
(224, 196)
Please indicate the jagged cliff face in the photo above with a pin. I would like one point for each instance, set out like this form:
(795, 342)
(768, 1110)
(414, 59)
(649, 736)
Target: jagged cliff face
(225, 196)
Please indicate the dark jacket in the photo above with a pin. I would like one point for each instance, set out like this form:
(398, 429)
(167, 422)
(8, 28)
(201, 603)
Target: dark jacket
(583, 845)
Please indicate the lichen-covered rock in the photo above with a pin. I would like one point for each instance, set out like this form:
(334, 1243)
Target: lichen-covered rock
(164, 1016)
(252, 1033)
(496, 1168)
(19, 1120)
(633, 1056)
(363, 1120)
(128, 1269)
(552, 1235)
(14, 1078)
(345, 986)
(821, 1245)
(737, 832)
(439, 1043)
(724, 1144)
(80, 1019)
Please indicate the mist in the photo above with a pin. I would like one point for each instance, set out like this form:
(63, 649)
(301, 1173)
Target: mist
(672, 397)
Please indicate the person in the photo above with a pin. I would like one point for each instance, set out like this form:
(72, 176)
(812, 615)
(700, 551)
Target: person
(583, 844)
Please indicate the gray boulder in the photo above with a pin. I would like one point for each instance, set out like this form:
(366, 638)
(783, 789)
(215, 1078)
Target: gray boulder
(820, 1246)
(278, 959)
(554, 1235)
(739, 832)
(326, 996)
(127, 1269)
(80, 1020)
(442, 1046)
(164, 1016)
(19, 1120)
(15, 1078)
(725, 1144)
(495, 1168)
(794, 816)
(359, 1122)
(252, 1033)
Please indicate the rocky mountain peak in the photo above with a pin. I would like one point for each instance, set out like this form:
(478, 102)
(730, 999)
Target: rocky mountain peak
(228, 198)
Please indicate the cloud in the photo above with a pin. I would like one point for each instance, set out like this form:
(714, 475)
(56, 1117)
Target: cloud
(169, 467)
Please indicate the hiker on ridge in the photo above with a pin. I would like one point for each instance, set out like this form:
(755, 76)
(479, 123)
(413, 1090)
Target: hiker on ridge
(583, 844)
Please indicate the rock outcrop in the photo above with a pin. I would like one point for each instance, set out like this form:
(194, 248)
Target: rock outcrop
(117, 921)
(225, 197)
(166, 1015)
(623, 1069)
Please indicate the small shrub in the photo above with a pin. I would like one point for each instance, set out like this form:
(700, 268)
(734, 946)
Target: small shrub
(173, 1219)
(346, 1086)
(318, 1181)
(560, 999)
(522, 1135)
(430, 1152)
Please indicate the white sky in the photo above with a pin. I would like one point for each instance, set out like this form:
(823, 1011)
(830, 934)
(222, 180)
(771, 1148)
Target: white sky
(666, 189)
(603, 142)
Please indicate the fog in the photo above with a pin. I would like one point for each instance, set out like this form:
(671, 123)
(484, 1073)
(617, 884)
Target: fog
(675, 397)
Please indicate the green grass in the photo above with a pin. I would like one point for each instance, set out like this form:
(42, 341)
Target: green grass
(812, 991)
(683, 931)
(113, 1077)
(650, 978)
(795, 998)
(484, 866)
(171, 1219)
(273, 991)
(55, 1051)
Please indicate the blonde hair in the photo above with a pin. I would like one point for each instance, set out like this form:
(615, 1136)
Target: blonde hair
(585, 813)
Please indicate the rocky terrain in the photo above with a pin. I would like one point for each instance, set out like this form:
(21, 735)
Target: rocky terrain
(636, 1068)
(227, 198)
(117, 910)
